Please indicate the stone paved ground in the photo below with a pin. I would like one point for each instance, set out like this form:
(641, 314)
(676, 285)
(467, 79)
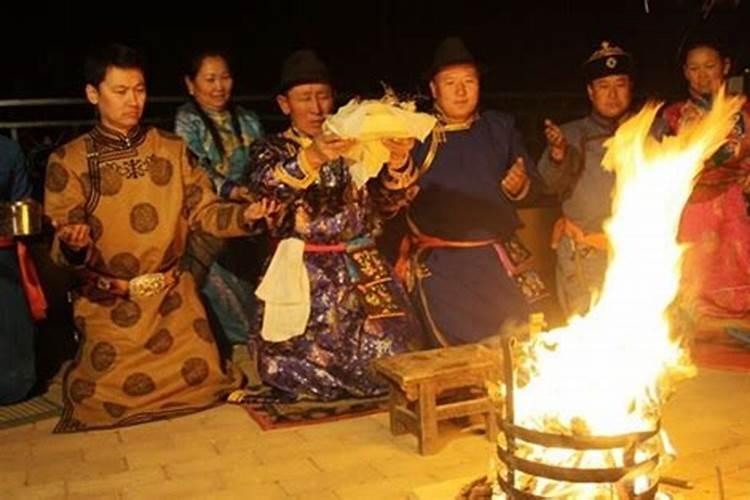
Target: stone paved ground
(223, 454)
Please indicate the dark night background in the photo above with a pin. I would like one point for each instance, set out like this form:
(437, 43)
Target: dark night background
(532, 49)
(529, 46)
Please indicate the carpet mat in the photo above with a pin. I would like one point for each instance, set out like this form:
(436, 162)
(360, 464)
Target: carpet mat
(33, 410)
(272, 411)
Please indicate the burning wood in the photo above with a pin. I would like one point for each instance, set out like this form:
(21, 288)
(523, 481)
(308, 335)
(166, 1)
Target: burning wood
(583, 402)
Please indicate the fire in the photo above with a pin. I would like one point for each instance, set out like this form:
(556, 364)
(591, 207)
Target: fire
(608, 373)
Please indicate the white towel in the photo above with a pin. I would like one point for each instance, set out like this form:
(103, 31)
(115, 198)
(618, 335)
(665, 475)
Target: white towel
(285, 289)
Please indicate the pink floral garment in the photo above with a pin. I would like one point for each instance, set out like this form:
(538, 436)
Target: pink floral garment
(715, 221)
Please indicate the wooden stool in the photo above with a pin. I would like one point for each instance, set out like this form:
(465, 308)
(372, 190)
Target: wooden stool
(418, 379)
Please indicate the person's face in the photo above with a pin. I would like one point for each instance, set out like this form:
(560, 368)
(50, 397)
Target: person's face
(611, 95)
(120, 98)
(705, 70)
(212, 85)
(455, 90)
(307, 106)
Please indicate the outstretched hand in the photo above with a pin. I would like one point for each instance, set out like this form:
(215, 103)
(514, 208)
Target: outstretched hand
(240, 193)
(326, 147)
(257, 210)
(75, 236)
(555, 140)
(516, 180)
(399, 149)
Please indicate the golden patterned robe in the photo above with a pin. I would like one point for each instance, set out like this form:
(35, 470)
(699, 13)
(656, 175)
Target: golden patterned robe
(141, 358)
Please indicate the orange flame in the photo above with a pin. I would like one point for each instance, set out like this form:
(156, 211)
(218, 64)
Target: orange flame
(609, 372)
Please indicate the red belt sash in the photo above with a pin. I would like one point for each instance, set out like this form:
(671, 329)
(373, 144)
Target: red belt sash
(322, 248)
(29, 278)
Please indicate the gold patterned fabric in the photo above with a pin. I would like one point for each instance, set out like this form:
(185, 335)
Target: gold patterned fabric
(149, 356)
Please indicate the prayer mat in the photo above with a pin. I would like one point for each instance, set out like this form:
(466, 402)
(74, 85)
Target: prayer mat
(728, 351)
(26, 412)
(271, 411)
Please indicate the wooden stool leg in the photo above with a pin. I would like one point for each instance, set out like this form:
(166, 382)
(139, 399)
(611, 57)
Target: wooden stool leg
(428, 429)
(397, 400)
(491, 429)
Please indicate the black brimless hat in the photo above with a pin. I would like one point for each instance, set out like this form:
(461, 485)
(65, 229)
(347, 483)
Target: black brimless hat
(449, 52)
(302, 66)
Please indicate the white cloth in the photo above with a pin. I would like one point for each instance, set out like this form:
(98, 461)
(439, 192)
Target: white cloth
(370, 121)
(285, 290)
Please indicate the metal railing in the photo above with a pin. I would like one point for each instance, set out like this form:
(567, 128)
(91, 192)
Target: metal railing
(51, 121)
(27, 107)
(43, 124)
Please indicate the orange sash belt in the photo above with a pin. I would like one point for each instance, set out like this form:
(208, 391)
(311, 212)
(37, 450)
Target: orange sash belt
(423, 242)
(29, 279)
(566, 227)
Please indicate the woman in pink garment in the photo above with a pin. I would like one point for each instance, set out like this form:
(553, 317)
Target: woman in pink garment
(715, 222)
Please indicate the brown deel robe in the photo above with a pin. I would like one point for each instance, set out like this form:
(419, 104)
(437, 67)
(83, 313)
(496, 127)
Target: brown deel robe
(141, 358)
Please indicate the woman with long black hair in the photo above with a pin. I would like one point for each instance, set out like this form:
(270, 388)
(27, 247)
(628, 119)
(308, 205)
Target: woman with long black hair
(219, 133)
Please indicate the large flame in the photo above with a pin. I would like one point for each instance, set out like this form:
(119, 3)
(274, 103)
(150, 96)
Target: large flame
(605, 373)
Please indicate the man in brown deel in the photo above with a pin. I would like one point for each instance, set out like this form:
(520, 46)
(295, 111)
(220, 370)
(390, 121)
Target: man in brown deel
(122, 198)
